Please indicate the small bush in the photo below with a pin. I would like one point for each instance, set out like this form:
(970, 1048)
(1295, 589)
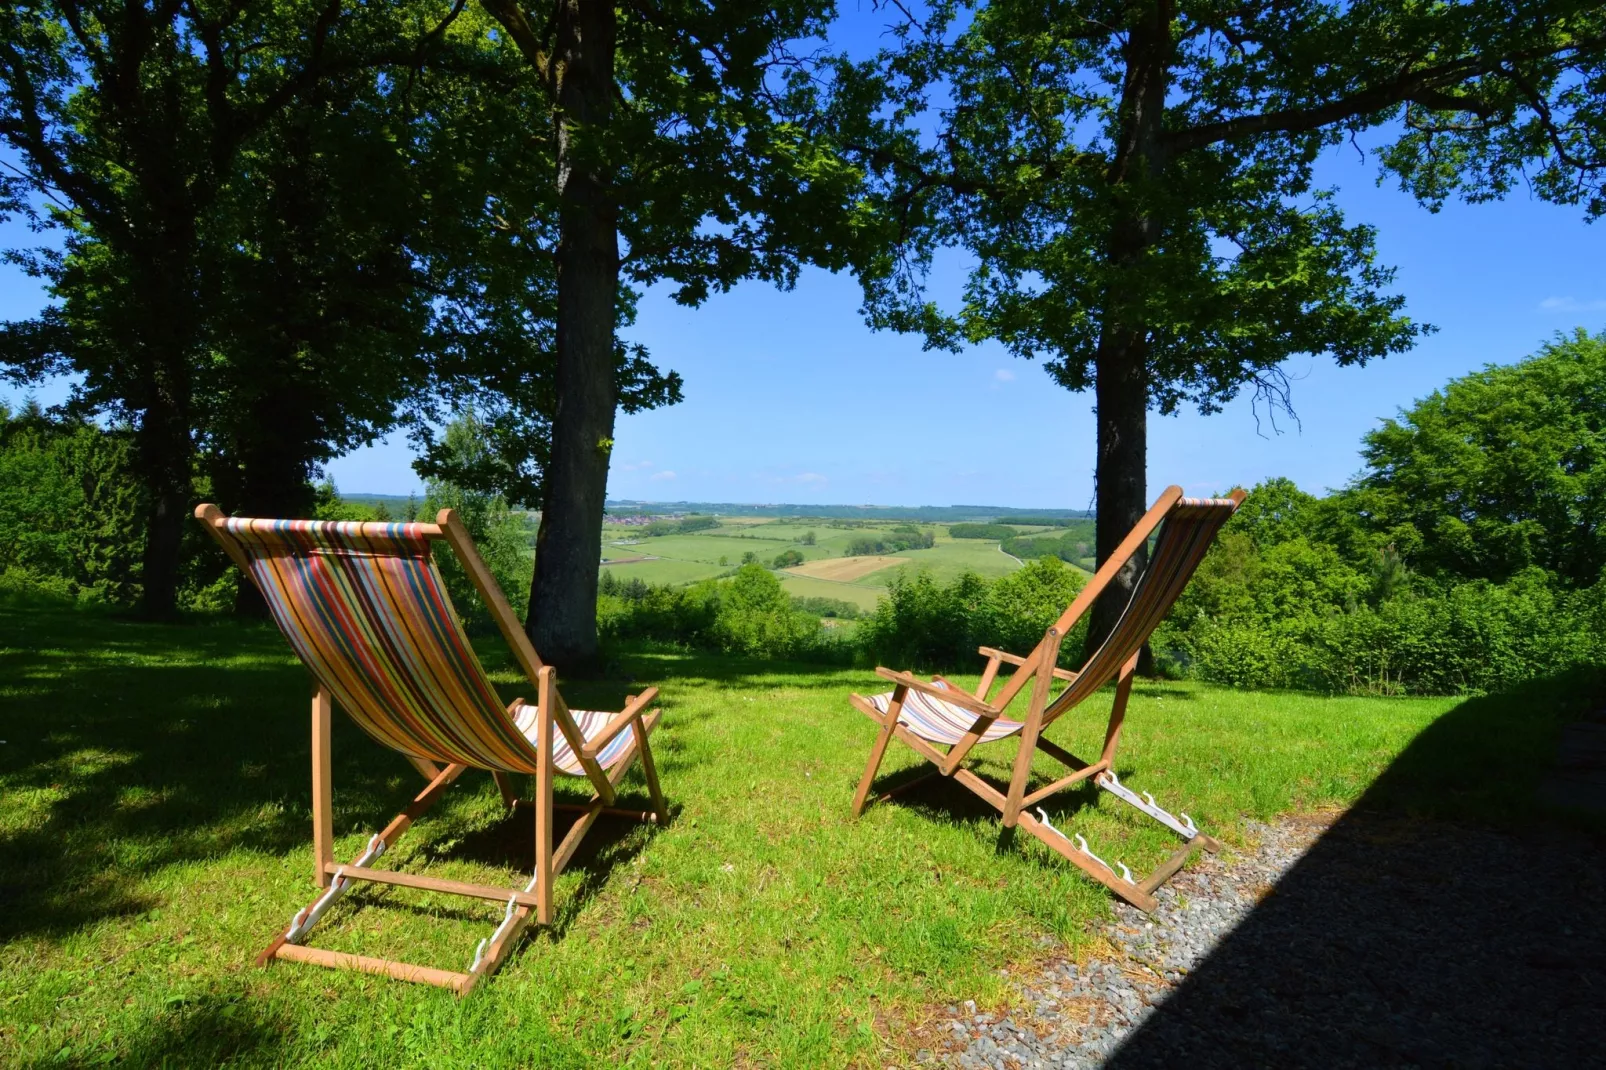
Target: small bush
(826, 607)
(756, 617)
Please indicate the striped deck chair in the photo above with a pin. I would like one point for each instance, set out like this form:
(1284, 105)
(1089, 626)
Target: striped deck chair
(365, 608)
(926, 716)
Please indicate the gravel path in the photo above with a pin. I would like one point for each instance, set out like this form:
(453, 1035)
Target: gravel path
(1365, 941)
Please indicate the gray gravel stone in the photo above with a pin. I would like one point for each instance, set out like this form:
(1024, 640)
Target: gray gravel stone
(1397, 946)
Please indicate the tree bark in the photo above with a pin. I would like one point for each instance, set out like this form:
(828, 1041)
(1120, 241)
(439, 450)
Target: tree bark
(164, 449)
(562, 620)
(1121, 364)
(1122, 392)
(270, 479)
(161, 346)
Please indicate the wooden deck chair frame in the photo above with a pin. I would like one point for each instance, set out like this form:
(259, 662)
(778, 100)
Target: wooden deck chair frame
(1039, 669)
(534, 902)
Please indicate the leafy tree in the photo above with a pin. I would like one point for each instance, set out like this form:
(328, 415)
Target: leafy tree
(981, 531)
(687, 133)
(1135, 182)
(497, 531)
(202, 288)
(787, 559)
(1502, 470)
(1274, 512)
(317, 325)
(69, 509)
(1020, 607)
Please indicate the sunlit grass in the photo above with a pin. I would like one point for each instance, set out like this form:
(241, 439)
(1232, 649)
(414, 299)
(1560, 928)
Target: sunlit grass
(155, 835)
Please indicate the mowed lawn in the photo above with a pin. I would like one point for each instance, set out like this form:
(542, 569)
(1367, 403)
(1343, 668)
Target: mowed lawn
(155, 835)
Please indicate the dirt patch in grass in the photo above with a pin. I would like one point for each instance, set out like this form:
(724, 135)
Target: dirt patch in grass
(845, 569)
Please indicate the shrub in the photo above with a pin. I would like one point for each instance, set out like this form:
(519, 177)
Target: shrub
(70, 508)
(683, 616)
(787, 559)
(1019, 608)
(756, 617)
(826, 607)
(1274, 606)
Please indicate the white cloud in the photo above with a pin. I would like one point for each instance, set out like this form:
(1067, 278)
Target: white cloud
(639, 466)
(665, 474)
(1571, 304)
(1004, 375)
(811, 477)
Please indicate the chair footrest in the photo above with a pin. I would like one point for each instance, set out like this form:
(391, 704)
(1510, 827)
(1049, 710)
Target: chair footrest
(402, 971)
(1179, 858)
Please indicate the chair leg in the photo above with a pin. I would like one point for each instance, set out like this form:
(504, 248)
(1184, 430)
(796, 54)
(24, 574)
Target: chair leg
(650, 771)
(1123, 691)
(426, 768)
(1028, 742)
(323, 819)
(543, 822)
(504, 784)
(879, 750)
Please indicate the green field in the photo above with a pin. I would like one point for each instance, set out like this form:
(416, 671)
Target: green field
(687, 558)
(950, 557)
(154, 835)
(811, 587)
(665, 571)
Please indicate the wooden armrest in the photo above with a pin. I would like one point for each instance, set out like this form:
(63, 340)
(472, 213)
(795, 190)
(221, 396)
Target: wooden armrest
(952, 695)
(631, 711)
(1015, 659)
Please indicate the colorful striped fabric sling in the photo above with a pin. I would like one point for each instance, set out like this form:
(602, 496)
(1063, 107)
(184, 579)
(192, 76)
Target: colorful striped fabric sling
(365, 608)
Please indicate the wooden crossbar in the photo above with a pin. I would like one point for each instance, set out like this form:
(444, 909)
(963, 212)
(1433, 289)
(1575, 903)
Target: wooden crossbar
(1130, 891)
(401, 971)
(434, 884)
(1063, 782)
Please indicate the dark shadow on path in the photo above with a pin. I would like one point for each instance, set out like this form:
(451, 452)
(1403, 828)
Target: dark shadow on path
(1447, 920)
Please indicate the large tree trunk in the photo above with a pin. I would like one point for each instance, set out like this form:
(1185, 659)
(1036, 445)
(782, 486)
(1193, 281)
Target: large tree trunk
(563, 597)
(270, 480)
(1122, 392)
(163, 439)
(1122, 362)
(164, 449)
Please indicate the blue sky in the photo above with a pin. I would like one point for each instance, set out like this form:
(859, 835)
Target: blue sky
(790, 398)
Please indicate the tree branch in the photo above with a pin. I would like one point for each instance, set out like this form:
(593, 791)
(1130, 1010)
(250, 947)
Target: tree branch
(511, 17)
(1426, 86)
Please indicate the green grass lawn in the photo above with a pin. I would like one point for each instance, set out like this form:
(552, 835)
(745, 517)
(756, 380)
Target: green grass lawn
(155, 835)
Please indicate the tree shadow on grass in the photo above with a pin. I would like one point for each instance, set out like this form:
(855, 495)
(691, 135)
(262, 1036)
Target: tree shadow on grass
(1447, 919)
(941, 799)
(207, 1031)
(130, 748)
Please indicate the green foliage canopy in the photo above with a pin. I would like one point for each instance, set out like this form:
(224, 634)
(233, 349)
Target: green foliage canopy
(1502, 470)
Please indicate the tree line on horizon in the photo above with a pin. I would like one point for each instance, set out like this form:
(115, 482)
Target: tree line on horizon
(284, 229)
